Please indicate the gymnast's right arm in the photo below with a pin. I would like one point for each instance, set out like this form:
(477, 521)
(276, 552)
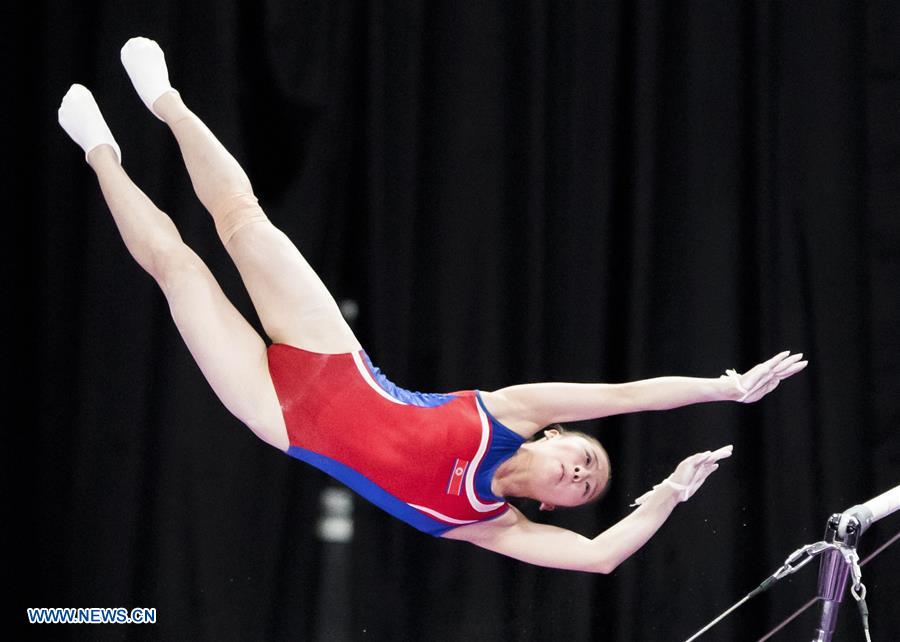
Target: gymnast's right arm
(540, 404)
(514, 535)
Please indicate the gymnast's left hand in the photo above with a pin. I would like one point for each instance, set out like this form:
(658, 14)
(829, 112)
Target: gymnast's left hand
(763, 378)
(690, 474)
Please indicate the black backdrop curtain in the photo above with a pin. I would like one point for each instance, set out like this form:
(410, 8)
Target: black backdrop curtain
(512, 192)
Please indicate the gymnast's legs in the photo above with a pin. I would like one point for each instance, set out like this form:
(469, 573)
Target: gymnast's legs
(293, 304)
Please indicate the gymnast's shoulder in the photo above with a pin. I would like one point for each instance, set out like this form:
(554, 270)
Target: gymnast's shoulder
(488, 529)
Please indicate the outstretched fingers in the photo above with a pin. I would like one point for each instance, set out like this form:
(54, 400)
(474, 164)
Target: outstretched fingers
(765, 377)
(778, 358)
(788, 364)
(791, 369)
(722, 453)
(761, 373)
(690, 474)
(708, 462)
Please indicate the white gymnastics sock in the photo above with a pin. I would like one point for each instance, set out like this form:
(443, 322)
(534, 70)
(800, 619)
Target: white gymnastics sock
(80, 116)
(146, 66)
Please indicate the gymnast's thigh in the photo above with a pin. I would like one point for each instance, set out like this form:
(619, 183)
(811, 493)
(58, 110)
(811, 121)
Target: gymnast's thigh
(293, 304)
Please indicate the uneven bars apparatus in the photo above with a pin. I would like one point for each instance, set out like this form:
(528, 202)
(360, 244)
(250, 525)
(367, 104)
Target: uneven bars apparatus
(845, 529)
(842, 533)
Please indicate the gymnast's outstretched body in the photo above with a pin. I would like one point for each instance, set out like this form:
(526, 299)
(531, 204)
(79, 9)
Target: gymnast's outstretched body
(443, 463)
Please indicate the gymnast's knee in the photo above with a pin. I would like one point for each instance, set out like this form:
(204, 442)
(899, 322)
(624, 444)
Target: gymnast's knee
(235, 212)
(173, 265)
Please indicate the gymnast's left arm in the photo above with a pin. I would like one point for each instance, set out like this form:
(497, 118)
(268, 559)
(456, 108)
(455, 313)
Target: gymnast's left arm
(548, 403)
(514, 535)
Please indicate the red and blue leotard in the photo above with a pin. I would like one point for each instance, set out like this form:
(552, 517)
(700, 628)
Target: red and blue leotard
(427, 459)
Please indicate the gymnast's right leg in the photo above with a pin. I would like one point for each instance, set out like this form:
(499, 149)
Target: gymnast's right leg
(293, 304)
(229, 352)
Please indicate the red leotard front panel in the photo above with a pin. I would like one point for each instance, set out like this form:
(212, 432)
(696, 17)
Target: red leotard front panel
(333, 409)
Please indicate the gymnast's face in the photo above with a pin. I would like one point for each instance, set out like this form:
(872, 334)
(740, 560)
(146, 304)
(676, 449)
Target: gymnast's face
(566, 470)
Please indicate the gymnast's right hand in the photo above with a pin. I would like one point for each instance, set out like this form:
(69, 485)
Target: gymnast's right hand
(690, 474)
(763, 378)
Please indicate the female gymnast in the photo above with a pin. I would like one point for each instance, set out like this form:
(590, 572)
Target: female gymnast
(443, 463)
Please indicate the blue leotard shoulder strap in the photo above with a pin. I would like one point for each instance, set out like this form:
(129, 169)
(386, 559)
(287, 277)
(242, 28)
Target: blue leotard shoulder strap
(504, 444)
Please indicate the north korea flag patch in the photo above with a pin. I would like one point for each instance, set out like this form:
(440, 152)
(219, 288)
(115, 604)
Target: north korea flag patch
(454, 486)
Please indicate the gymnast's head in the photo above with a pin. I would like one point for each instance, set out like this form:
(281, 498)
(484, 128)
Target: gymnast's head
(565, 468)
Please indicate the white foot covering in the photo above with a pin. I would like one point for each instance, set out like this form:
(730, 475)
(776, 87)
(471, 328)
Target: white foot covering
(80, 116)
(146, 66)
